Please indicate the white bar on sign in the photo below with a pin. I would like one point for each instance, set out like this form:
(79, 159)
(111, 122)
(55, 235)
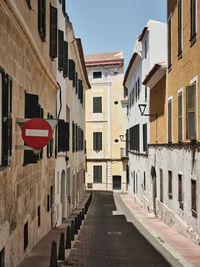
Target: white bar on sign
(34, 132)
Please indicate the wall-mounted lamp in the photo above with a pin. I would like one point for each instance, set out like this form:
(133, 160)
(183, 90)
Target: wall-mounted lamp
(142, 108)
(121, 136)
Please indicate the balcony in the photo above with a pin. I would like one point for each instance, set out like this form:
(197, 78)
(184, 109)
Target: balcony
(124, 153)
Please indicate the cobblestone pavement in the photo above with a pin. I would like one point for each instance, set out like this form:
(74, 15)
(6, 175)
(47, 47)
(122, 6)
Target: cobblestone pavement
(107, 239)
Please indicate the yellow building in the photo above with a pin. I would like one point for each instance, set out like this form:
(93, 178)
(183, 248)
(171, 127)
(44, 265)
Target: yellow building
(106, 120)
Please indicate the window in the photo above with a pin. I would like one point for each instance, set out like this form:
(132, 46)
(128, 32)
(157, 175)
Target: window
(180, 116)
(48, 203)
(60, 49)
(192, 22)
(145, 48)
(72, 71)
(73, 137)
(5, 118)
(97, 174)
(138, 87)
(169, 43)
(145, 137)
(38, 210)
(63, 7)
(194, 198)
(53, 32)
(97, 104)
(97, 74)
(42, 19)
(161, 185)
(179, 28)
(170, 184)
(2, 258)
(135, 138)
(29, 6)
(97, 141)
(25, 235)
(191, 111)
(180, 190)
(144, 180)
(170, 120)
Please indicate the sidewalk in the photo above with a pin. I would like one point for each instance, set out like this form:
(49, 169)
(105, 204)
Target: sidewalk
(172, 240)
(40, 254)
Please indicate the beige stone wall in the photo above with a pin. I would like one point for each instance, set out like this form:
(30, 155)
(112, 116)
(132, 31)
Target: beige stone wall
(24, 188)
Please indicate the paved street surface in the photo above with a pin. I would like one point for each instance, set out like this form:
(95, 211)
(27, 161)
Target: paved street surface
(107, 239)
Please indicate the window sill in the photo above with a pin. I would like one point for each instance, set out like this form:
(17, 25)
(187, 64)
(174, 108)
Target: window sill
(193, 39)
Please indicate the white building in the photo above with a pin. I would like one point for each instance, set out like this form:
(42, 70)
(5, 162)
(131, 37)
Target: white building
(149, 49)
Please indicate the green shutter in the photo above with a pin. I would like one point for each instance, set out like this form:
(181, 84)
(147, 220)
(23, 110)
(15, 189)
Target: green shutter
(190, 111)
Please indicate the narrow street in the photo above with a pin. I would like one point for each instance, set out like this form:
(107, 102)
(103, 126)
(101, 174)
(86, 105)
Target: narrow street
(107, 239)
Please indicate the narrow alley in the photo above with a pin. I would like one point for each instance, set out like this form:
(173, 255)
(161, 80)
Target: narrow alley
(107, 239)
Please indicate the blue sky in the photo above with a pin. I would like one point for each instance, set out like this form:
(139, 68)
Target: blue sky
(112, 25)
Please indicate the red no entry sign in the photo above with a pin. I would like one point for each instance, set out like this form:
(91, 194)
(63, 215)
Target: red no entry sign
(37, 133)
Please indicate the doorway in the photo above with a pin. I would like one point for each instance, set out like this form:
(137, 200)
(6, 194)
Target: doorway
(116, 182)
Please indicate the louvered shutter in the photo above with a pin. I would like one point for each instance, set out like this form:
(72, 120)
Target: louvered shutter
(138, 137)
(63, 7)
(65, 59)
(76, 138)
(73, 74)
(190, 111)
(145, 137)
(138, 84)
(71, 69)
(31, 111)
(53, 32)
(94, 141)
(73, 138)
(42, 19)
(63, 135)
(180, 116)
(77, 82)
(60, 50)
(99, 141)
(170, 120)
(5, 121)
(192, 18)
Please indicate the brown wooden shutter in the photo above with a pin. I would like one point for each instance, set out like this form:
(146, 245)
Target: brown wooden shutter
(60, 49)
(180, 116)
(190, 111)
(53, 32)
(170, 120)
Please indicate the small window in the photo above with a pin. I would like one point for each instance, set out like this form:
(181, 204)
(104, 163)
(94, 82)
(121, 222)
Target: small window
(42, 19)
(97, 74)
(170, 184)
(2, 258)
(38, 216)
(180, 191)
(194, 198)
(161, 185)
(97, 104)
(97, 141)
(116, 140)
(116, 102)
(97, 174)
(25, 235)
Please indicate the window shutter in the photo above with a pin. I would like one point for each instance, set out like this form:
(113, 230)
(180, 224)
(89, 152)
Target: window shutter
(192, 18)
(60, 49)
(63, 136)
(42, 19)
(63, 7)
(169, 43)
(94, 141)
(29, 4)
(190, 111)
(99, 141)
(48, 145)
(71, 69)
(179, 26)
(193, 196)
(76, 138)
(138, 84)
(5, 121)
(65, 59)
(145, 137)
(73, 74)
(73, 137)
(97, 104)
(77, 82)
(170, 121)
(53, 32)
(31, 111)
(180, 116)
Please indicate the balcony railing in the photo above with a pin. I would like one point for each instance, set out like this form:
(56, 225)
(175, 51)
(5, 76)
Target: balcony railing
(123, 152)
